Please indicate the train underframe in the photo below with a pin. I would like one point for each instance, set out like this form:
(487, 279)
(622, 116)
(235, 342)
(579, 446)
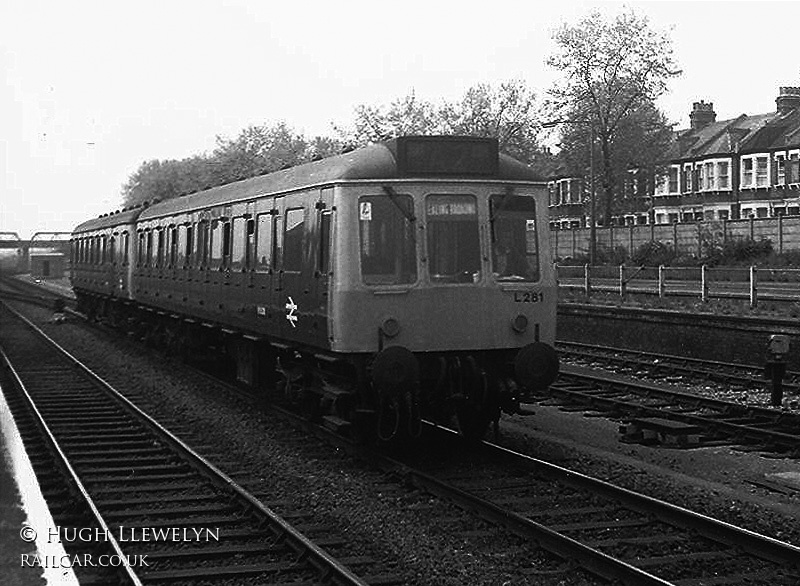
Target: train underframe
(378, 397)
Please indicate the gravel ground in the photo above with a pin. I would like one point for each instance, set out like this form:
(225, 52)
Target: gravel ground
(397, 526)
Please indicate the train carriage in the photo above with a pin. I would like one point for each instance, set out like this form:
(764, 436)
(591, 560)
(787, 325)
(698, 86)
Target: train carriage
(402, 280)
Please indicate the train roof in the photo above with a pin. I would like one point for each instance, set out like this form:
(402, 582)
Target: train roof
(404, 157)
(111, 220)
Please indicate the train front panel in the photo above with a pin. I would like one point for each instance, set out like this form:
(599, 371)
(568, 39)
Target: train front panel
(442, 266)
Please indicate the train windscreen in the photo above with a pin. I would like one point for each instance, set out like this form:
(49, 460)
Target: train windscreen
(454, 252)
(515, 251)
(387, 239)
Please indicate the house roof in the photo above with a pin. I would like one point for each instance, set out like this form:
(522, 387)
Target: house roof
(743, 134)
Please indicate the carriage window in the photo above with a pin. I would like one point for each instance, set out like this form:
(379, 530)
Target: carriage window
(216, 244)
(454, 251)
(188, 246)
(173, 246)
(324, 242)
(227, 246)
(238, 243)
(161, 248)
(142, 250)
(264, 242)
(124, 247)
(515, 252)
(388, 240)
(149, 260)
(293, 240)
(202, 244)
(250, 244)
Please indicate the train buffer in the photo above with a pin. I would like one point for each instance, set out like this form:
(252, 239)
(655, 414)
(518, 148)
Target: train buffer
(655, 430)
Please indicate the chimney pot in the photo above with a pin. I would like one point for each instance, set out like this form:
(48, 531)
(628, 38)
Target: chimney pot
(788, 99)
(702, 115)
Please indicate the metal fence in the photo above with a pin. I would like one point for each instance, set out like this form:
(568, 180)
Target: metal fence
(750, 283)
(690, 239)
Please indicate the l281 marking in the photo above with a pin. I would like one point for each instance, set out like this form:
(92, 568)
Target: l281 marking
(528, 296)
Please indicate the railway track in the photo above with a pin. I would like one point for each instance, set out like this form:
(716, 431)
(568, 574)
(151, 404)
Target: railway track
(656, 412)
(610, 531)
(164, 512)
(675, 369)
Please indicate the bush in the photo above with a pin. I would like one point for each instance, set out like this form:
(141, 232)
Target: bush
(653, 254)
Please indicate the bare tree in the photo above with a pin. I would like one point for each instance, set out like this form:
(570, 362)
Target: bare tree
(613, 71)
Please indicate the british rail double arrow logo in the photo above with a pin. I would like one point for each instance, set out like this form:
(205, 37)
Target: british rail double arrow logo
(291, 307)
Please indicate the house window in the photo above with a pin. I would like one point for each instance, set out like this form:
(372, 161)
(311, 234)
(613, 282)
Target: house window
(674, 171)
(708, 175)
(793, 168)
(762, 171)
(722, 214)
(687, 179)
(780, 166)
(747, 172)
(723, 175)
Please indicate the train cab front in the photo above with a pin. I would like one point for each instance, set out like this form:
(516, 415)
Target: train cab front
(449, 286)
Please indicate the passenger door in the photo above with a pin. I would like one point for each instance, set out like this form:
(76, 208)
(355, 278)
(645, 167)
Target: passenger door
(292, 286)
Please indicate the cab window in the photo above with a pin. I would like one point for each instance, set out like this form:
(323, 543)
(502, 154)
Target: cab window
(515, 251)
(387, 240)
(454, 252)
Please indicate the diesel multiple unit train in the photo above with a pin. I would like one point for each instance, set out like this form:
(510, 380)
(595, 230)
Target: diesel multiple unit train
(404, 280)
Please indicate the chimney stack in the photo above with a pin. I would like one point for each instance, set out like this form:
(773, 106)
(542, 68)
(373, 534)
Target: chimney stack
(702, 115)
(788, 99)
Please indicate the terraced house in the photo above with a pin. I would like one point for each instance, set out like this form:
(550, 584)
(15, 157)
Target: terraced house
(734, 169)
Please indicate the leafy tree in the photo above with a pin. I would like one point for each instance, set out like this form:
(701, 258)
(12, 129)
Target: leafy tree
(160, 180)
(508, 112)
(613, 71)
(258, 150)
(255, 151)
(407, 115)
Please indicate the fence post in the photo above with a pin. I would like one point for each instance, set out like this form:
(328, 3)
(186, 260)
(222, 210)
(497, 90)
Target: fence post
(753, 295)
(724, 232)
(661, 285)
(622, 287)
(780, 234)
(699, 239)
(675, 236)
(630, 249)
(574, 237)
(703, 284)
(586, 286)
(752, 228)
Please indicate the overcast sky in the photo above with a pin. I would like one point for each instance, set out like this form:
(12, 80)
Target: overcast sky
(92, 89)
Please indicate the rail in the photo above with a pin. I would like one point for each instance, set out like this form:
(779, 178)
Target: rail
(748, 283)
